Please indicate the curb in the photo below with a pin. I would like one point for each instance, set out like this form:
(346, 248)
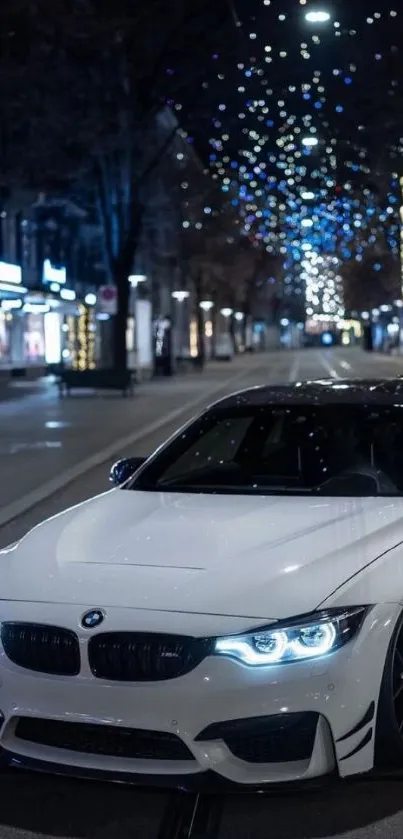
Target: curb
(36, 496)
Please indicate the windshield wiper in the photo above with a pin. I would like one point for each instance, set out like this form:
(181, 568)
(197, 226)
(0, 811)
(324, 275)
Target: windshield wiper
(236, 489)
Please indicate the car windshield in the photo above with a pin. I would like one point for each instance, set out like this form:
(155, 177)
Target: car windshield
(351, 451)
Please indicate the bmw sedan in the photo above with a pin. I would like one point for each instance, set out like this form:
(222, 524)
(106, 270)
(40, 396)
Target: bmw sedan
(234, 605)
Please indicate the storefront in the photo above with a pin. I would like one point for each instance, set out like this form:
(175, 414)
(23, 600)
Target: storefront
(23, 332)
(34, 349)
(11, 303)
(45, 328)
(351, 332)
(41, 330)
(5, 338)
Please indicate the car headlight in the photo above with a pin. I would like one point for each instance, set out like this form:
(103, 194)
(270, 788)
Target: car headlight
(311, 636)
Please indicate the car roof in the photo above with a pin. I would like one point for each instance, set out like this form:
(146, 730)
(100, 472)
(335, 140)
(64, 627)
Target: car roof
(319, 392)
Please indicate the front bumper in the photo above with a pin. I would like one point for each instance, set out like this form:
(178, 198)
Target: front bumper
(248, 726)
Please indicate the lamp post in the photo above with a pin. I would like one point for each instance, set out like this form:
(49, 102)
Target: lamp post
(228, 314)
(239, 336)
(206, 337)
(134, 281)
(180, 296)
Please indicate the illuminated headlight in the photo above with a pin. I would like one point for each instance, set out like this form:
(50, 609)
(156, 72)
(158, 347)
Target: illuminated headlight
(312, 636)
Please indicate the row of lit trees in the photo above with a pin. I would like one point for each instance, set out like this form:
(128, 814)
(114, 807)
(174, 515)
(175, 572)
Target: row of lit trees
(225, 268)
(336, 195)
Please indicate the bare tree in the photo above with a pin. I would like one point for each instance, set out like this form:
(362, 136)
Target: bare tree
(84, 89)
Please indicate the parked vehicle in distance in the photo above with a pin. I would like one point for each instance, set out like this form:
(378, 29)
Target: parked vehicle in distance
(224, 348)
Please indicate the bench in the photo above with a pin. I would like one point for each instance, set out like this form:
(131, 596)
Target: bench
(187, 363)
(98, 379)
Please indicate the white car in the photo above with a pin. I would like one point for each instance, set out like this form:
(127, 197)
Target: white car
(234, 607)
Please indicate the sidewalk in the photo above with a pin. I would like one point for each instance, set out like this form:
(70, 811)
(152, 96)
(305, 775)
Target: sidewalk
(19, 389)
(45, 442)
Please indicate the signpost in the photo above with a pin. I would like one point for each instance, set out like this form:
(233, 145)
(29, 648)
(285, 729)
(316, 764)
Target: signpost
(107, 300)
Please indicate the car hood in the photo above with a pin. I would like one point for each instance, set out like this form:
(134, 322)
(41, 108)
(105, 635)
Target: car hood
(242, 556)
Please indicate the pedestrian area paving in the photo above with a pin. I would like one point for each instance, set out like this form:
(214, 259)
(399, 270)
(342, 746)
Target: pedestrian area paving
(47, 442)
(43, 437)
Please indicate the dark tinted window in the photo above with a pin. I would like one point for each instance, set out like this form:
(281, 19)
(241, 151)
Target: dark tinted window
(335, 450)
(213, 447)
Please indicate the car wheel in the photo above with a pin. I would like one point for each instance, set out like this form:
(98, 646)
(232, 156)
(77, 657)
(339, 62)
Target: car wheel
(389, 723)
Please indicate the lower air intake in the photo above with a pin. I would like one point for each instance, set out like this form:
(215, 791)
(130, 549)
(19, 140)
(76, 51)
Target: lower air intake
(280, 738)
(107, 740)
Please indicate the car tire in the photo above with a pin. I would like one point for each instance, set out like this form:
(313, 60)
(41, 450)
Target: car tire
(389, 721)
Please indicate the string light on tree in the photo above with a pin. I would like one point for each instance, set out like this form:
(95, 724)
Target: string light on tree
(293, 150)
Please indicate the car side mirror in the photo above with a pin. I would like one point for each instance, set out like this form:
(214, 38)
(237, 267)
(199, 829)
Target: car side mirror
(123, 469)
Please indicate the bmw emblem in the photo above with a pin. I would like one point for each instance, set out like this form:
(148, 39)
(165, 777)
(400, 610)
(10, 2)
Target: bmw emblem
(92, 619)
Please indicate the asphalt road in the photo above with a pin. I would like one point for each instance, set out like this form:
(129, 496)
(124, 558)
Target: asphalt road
(41, 806)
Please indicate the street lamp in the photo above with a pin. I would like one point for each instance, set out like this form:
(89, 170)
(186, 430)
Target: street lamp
(320, 16)
(180, 296)
(206, 305)
(67, 294)
(226, 312)
(135, 279)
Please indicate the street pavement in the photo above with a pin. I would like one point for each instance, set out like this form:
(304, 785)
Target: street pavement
(68, 445)
(46, 442)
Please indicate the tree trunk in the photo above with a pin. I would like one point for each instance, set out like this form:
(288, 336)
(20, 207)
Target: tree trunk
(214, 325)
(232, 331)
(121, 270)
(247, 308)
(368, 343)
(246, 311)
(121, 279)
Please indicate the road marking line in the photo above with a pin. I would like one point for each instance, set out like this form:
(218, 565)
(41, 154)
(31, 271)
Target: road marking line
(328, 367)
(293, 375)
(36, 496)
